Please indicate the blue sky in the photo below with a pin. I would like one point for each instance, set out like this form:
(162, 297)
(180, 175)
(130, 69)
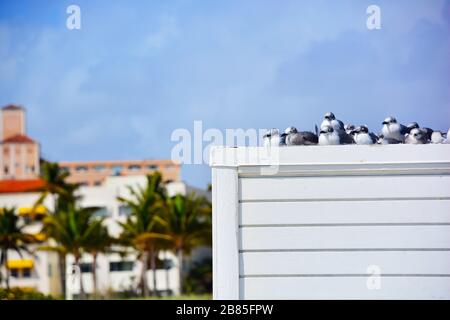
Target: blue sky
(137, 70)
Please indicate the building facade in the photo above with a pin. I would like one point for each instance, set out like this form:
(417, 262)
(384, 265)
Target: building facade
(93, 173)
(19, 154)
(116, 274)
(101, 182)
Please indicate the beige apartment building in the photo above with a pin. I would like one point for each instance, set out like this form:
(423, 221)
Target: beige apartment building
(93, 173)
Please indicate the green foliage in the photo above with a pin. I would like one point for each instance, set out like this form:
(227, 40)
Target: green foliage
(20, 294)
(72, 229)
(186, 221)
(140, 230)
(12, 237)
(199, 277)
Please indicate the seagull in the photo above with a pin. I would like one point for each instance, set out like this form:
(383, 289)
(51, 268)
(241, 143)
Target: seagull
(271, 138)
(363, 136)
(329, 136)
(330, 120)
(417, 136)
(295, 138)
(383, 140)
(349, 128)
(393, 130)
(415, 125)
(437, 137)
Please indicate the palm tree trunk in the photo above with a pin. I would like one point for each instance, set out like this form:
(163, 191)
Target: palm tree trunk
(180, 269)
(82, 293)
(94, 273)
(62, 273)
(144, 273)
(153, 265)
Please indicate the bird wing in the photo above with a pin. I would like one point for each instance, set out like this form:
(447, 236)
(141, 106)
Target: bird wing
(309, 137)
(403, 129)
(346, 138)
(374, 137)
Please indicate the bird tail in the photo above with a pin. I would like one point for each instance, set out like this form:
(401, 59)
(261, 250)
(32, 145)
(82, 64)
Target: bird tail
(316, 129)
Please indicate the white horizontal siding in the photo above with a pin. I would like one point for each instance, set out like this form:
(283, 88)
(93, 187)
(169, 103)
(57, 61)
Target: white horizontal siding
(312, 220)
(339, 263)
(344, 187)
(344, 288)
(344, 237)
(329, 212)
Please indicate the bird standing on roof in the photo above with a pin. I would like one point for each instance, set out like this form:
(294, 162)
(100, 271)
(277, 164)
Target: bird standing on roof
(416, 136)
(393, 130)
(415, 125)
(329, 119)
(361, 135)
(438, 137)
(329, 136)
(271, 138)
(295, 138)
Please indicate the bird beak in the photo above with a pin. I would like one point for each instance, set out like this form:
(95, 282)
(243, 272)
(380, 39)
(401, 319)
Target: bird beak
(353, 132)
(321, 131)
(385, 122)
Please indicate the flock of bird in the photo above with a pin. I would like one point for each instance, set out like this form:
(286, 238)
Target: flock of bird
(334, 132)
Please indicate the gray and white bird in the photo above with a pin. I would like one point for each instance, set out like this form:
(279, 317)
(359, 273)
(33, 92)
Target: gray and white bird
(415, 125)
(361, 135)
(416, 136)
(393, 130)
(329, 136)
(271, 138)
(296, 138)
(329, 119)
(383, 140)
(438, 137)
(349, 128)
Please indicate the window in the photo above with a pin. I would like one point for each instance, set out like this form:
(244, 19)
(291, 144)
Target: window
(121, 266)
(152, 167)
(99, 168)
(81, 169)
(14, 272)
(124, 211)
(86, 267)
(134, 167)
(83, 184)
(65, 169)
(97, 183)
(6, 169)
(26, 273)
(101, 212)
(116, 170)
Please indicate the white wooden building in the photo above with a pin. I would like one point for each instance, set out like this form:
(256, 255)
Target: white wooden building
(331, 222)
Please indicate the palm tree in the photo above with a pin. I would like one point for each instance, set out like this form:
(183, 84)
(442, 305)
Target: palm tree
(186, 222)
(12, 237)
(63, 195)
(99, 242)
(72, 228)
(140, 230)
